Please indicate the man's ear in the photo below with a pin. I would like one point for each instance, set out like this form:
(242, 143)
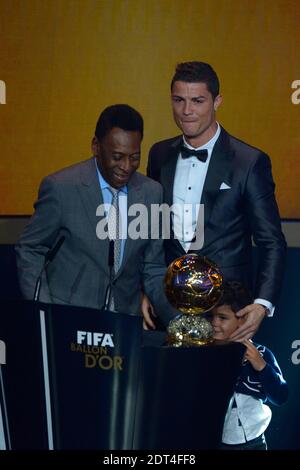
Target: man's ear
(95, 146)
(217, 102)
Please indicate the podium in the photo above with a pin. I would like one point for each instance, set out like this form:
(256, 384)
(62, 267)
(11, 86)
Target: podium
(80, 378)
(184, 395)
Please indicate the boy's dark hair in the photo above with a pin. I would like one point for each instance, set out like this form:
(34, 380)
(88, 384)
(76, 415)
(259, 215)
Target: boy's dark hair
(194, 72)
(119, 115)
(236, 296)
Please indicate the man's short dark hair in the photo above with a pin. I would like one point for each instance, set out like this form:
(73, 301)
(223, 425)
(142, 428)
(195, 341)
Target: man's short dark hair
(194, 72)
(119, 115)
(236, 296)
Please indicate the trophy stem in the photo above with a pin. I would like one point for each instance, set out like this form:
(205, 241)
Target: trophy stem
(189, 330)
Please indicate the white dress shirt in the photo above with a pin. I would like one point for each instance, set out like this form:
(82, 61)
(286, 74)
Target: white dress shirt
(187, 191)
(248, 420)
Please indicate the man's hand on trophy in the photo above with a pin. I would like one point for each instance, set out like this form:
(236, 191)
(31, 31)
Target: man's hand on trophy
(148, 312)
(253, 315)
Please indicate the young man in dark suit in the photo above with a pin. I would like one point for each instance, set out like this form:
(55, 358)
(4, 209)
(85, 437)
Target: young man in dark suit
(232, 180)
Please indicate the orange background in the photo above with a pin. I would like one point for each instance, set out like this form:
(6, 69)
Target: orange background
(63, 61)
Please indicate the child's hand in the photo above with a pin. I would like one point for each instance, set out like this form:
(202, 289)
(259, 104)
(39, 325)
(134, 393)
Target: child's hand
(253, 356)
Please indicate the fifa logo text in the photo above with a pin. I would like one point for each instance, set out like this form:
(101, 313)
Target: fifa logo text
(95, 339)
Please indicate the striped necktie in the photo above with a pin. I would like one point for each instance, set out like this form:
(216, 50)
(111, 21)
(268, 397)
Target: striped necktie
(114, 231)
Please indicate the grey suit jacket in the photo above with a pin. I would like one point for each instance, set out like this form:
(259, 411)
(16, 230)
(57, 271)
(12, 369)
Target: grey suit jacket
(79, 274)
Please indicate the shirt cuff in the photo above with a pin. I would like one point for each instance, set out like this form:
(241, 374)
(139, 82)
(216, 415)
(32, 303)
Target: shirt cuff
(266, 304)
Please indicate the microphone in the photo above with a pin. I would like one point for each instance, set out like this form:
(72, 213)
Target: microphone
(50, 255)
(111, 259)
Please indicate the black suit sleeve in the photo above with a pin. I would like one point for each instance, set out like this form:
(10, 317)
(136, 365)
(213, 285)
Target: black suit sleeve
(153, 170)
(263, 215)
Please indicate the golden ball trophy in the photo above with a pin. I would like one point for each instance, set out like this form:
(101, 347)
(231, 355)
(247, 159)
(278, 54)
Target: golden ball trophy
(193, 285)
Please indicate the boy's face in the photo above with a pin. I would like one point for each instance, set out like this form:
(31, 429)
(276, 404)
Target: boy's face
(224, 321)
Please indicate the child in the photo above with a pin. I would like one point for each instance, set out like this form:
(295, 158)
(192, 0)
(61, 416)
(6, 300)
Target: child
(260, 380)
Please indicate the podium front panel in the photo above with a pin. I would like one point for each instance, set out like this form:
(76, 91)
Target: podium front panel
(79, 378)
(22, 395)
(94, 366)
(184, 394)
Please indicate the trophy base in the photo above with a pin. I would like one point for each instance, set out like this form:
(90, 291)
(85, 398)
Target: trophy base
(189, 330)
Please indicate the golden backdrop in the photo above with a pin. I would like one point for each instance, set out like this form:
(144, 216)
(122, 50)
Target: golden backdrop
(63, 61)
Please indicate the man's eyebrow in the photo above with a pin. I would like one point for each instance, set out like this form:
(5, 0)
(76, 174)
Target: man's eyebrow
(123, 153)
(193, 97)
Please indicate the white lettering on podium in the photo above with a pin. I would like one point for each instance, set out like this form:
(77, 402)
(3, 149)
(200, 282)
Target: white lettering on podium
(95, 339)
(2, 353)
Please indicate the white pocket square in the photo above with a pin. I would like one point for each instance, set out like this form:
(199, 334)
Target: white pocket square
(224, 186)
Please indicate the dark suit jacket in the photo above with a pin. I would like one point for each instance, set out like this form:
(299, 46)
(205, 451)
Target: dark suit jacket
(79, 274)
(232, 216)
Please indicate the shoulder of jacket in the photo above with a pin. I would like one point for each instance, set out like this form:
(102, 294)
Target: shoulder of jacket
(146, 182)
(166, 143)
(241, 146)
(71, 172)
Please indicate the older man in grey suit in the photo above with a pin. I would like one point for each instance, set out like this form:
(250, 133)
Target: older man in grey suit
(70, 204)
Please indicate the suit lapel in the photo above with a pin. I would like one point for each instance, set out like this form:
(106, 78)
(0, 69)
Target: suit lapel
(91, 196)
(90, 191)
(134, 196)
(219, 171)
(167, 180)
(168, 171)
